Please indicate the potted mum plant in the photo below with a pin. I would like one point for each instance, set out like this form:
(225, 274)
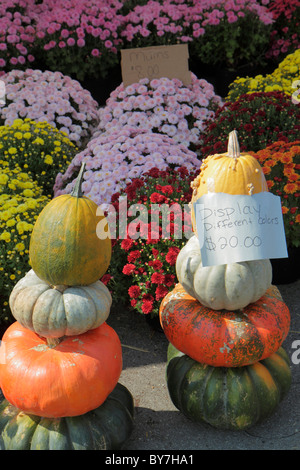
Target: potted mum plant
(164, 106)
(37, 147)
(281, 79)
(114, 159)
(260, 119)
(51, 97)
(21, 200)
(78, 38)
(280, 162)
(142, 269)
(284, 36)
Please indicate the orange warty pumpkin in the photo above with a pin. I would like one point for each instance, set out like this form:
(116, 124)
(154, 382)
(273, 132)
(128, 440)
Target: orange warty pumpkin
(66, 379)
(224, 338)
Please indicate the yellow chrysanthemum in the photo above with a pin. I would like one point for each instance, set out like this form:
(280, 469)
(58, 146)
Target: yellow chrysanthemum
(18, 135)
(3, 178)
(17, 123)
(11, 223)
(20, 247)
(24, 227)
(48, 159)
(5, 236)
(38, 140)
(28, 193)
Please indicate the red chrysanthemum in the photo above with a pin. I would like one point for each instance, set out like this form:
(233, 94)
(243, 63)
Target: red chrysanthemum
(133, 256)
(156, 264)
(147, 306)
(157, 278)
(157, 198)
(106, 278)
(128, 269)
(172, 254)
(161, 291)
(134, 291)
(126, 244)
(167, 189)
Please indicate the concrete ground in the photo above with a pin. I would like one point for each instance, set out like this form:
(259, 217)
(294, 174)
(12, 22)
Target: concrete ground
(160, 426)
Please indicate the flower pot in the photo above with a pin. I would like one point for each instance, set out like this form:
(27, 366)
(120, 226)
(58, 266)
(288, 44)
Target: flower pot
(286, 270)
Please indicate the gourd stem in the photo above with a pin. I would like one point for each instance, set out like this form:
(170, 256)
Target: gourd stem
(53, 342)
(77, 191)
(233, 145)
(61, 288)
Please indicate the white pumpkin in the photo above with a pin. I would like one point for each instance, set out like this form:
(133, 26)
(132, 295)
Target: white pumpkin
(228, 286)
(56, 311)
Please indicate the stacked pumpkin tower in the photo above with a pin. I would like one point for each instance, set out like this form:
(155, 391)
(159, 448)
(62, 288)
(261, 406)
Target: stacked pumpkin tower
(60, 362)
(226, 324)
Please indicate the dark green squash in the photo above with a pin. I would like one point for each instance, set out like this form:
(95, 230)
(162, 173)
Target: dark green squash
(104, 428)
(233, 398)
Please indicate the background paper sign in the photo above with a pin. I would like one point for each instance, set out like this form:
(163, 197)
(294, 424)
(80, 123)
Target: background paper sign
(239, 228)
(155, 62)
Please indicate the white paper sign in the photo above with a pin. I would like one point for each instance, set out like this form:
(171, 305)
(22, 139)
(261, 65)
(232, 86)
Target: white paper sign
(233, 228)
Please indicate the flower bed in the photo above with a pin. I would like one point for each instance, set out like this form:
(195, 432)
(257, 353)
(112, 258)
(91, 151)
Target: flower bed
(283, 78)
(17, 34)
(83, 39)
(113, 160)
(165, 106)
(284, 37)
(78, 38)
(21, 200)
(280, 162)
(217, 31)
(36, 147)
(259, 118)
(142, 269)
(52, 97)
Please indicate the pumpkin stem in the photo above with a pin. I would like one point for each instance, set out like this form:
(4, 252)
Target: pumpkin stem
(233, 145)
(77, 191)
(53, 342)
(60, 288)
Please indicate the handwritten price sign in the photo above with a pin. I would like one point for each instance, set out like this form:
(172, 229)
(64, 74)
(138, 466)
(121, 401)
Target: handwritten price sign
(155, 62)
(239, 228)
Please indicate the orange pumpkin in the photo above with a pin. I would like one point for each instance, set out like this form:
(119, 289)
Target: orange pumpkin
(224, 338)
(65, 379)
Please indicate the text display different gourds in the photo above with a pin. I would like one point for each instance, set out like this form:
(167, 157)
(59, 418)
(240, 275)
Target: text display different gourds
(225, 324)
(60, 361)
